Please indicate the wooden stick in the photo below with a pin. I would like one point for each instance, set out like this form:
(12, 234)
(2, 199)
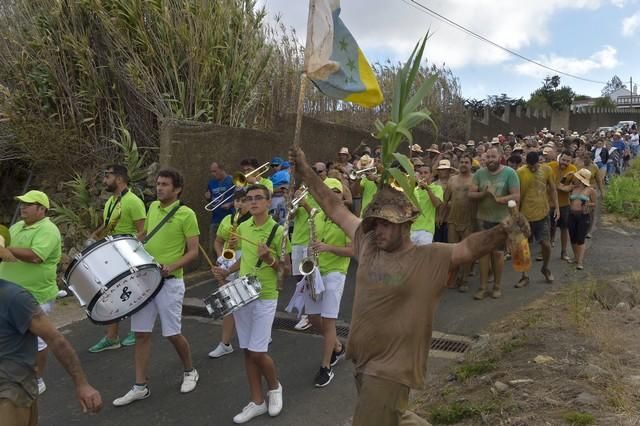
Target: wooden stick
(272, 251)
(206, 256)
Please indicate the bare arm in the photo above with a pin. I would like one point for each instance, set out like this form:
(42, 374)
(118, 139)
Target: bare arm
(218, 246)
(140, 234)
(330, 203)
(188, 257)
(475, 193)
(89, 398)
(552, 193)
(346, 195)
(481, 243)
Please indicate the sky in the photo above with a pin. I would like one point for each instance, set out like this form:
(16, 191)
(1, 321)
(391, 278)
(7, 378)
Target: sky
(593, 39)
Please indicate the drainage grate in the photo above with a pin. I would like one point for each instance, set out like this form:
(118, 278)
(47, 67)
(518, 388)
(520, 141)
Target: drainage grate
(437, 343)
(447, 345)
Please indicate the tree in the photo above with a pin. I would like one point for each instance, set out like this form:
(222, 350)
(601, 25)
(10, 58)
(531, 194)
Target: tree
(612, 85)
(552, 95)
(604, 102)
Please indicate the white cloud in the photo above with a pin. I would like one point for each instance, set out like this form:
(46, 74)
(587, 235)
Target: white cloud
(631, 24)
(604, 59)
(395, 26)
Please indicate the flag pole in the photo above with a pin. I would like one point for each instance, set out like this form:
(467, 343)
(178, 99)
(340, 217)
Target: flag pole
(295, 145)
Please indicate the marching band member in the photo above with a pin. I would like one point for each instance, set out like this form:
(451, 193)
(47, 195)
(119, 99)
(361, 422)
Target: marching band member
(250, 164)
(366, 186)
(429, 197)
(224, 240)
(300, 245)
(124, 213)
(31, 261)
(168, 238)
(254, 320)
(334, 250)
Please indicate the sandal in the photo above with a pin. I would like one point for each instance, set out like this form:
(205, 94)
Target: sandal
(523, 282)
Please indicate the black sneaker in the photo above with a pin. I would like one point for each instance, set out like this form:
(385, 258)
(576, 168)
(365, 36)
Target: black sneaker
(324, 377)
(337, 356)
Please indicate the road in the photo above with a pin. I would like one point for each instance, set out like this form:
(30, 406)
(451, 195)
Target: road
(222, 389)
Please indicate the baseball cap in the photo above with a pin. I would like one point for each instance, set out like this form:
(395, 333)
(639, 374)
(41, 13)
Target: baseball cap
(35, 197)
(277, 161)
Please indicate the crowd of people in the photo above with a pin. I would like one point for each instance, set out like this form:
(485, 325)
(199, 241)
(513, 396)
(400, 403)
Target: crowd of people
(340, 213)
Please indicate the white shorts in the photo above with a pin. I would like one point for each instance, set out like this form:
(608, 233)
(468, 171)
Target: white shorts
(328, 305)
(167, 304)
(253, 324)
(421, 238)
(298, 253)
(46, 308)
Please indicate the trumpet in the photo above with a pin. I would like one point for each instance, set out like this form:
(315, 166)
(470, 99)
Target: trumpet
(359, 174)
(293, 206)
(239, 180)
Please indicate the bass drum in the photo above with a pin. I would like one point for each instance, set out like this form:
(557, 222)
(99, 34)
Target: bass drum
(113, 278)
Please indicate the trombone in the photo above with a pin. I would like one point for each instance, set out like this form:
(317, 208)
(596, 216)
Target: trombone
(239, 180)
(359, 174)
(293, 206)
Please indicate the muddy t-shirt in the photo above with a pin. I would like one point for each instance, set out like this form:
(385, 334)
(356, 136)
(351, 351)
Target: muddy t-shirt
(395, 301)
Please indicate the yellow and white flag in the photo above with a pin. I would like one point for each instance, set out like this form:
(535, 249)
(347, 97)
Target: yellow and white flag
(333, 60)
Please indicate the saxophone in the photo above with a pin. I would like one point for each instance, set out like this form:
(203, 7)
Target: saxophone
(228, 253)
(310, 263)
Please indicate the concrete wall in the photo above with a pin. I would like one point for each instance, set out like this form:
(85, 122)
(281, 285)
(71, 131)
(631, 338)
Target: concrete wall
(599, 117)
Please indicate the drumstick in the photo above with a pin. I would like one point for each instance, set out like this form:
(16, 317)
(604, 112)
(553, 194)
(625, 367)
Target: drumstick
(250, 242)
(206, 256)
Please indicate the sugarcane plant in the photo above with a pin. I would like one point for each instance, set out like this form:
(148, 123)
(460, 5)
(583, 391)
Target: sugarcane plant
(406, 113)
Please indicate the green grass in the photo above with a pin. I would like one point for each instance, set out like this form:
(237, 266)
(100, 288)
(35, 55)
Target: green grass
(456, 412)
(474, 368)
(576, 418)
(623, 193)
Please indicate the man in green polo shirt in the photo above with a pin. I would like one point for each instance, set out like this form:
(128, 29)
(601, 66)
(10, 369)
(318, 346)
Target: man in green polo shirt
(429, 197)
(249, 165)
(334, 250)
(31, 260)
(254, 320)
(167, 245)
(123, 214)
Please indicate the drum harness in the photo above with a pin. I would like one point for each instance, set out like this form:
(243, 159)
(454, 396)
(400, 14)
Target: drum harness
(160, 224)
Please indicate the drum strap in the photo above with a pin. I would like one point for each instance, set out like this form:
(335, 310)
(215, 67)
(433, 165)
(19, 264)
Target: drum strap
(113, 206)
(269, 240)
(162, 222)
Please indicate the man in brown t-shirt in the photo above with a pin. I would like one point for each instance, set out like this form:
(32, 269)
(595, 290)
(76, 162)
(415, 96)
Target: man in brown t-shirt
(398, 286)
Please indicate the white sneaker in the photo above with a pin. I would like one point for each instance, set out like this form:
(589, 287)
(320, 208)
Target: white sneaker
(250, 411)
(303, 324)
(133, 395)
(42, 386)
(189, 381)
(275, 401)
(221, 350)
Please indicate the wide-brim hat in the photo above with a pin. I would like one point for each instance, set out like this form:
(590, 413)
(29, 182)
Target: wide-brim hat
(344, 150)
(462, 147)
(434, 148)
(391, 205)
(365, 161)
(444, 165)
(416, 148)
(471, 142)
(518, 147)
(584, 176)
(547, 150)
(495, 141)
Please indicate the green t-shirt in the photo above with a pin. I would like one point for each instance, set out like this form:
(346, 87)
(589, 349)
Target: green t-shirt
(170, 242)
(330, 233)
(224, 229)
(43, 237)
(500, 184)
(125, 214)
(426, 221)
(300, 235)
(267, 276)
(369, 190)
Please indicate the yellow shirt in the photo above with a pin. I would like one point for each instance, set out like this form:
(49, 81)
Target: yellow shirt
(563, 197)
(534, 201)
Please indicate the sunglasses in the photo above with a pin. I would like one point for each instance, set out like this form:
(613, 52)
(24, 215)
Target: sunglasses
(255, 198)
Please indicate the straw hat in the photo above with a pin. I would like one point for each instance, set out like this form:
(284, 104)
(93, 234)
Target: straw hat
(518, 147)
(365, 161)
(444, 165)
(547, 150)
(471, 142)
(390, 205)
(433, 148)
(584, 176)
(462, 147)
(344, 150)
(416, 148)
(495, 141)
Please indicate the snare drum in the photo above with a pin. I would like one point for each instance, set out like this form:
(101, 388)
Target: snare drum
(233, 295)
(113, 278)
